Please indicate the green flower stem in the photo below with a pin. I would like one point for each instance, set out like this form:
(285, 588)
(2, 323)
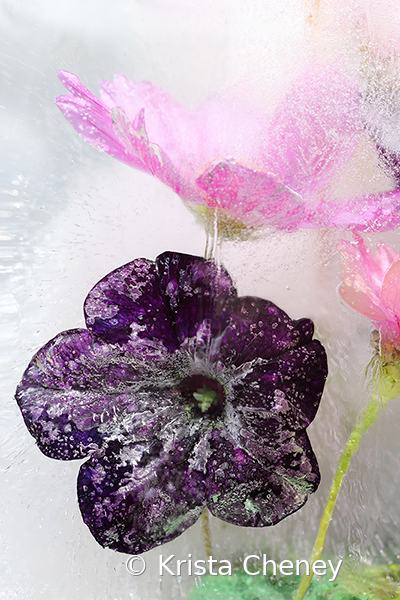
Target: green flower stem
(206, 531)
(351, 447)
(211, 233)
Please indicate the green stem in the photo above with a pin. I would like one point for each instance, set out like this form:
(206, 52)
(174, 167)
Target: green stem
(206, 531)
(212, 234)
(207, 248)
(351, 447)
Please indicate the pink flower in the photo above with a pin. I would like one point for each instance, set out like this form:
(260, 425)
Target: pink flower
(254, 171)
(371, 285)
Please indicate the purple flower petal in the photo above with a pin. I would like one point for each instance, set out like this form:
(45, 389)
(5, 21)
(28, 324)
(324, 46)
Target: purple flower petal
(259, 329)
(200, 294)
(136, 497)
(58, 411)
(183, 396)
(128, 302)
(167, 302)
(389, 158)
(298, 376)
(278, 397)
(79, 391)
(244, 492)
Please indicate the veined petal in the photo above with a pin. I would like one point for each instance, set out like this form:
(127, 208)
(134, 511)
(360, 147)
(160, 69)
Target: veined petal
(92, 119)
(72, 84)
(154, 160)
(370, 213)
(169, 125)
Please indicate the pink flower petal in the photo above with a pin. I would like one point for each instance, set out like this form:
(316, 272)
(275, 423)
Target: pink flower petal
(359, 289)
(371, 285)
(372, 213)
(372, 268)
(155, 161)
(251, 196)
(72, 84)
(391, 290)
(362, 303)
(92, 119)
(314, 130)
(227, 155)
(168, 124)
(111, 131)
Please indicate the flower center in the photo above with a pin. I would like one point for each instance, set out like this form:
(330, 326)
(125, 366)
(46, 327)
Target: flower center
(205, 397)
(205, 394)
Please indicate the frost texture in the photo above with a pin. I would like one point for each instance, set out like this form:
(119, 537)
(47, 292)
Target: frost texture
(183, 396)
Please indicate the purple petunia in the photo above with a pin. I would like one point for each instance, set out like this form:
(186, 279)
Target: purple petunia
(183, 396)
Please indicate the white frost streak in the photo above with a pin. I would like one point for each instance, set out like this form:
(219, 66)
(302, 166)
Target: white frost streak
(200, 455)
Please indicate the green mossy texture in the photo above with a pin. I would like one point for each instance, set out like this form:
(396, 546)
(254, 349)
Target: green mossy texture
(366, 583)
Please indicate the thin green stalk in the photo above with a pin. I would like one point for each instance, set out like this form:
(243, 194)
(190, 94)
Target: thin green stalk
(351, 448)
(211, 234)
(206, 531)
(207, 252)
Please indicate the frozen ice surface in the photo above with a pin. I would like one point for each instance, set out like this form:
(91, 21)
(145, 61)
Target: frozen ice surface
(70, 215)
